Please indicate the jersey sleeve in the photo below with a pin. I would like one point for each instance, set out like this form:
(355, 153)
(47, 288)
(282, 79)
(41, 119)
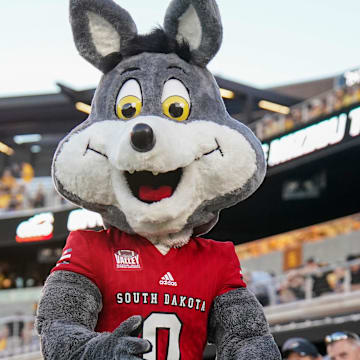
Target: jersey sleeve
(230, 274)
(76, 256)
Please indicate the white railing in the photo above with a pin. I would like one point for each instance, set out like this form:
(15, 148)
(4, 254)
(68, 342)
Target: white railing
(304, 284)
(18, 339)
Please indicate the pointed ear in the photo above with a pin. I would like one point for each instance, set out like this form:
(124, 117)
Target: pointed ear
(198, 23)
(100, 28)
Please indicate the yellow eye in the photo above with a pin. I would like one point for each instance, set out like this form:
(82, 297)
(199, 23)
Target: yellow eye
(176, 108)
(128, 107)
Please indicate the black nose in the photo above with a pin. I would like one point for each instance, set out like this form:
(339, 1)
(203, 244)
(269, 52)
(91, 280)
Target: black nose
(142, 138)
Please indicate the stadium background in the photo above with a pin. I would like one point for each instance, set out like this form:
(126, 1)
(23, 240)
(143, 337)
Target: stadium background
(297, 238)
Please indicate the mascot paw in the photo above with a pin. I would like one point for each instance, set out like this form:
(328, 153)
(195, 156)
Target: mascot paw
(123, 343)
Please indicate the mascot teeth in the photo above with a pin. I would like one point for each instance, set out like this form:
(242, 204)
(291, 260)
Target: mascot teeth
(150, 187)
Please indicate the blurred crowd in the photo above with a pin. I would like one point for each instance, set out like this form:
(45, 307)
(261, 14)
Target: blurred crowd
(14, 277)
(14, 184)
(312, 279)
(274, 124)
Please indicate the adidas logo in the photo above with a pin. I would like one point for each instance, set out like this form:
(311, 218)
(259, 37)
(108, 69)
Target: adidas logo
(168, 279)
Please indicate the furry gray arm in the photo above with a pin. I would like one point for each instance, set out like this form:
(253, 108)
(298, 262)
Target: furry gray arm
(66, 319)
(238, 327)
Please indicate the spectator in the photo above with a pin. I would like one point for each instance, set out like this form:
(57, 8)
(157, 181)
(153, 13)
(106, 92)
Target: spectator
(343, 345)
(289, 123)
(354, 94)
(4, 198)
(355, 272)
(39, 199)
(310, 266)
(348, 97)
(296, 115)
(317, 108)
(4, 334)
(330, 102)
(299, 349)
(357, 94)
(16, 199)
(11, 192)
(339, 96)
(336, 279)
(306, 112)
(16, 171)
(296, 284)
(269, 126)
(7, 181)
(321, 285)
(27, 172)
(7, 283)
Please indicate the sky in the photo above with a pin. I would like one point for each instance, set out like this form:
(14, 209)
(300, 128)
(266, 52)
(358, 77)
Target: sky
(266, 43)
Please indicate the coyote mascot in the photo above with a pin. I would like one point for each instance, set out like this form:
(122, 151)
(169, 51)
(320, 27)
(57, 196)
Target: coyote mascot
(158, 158)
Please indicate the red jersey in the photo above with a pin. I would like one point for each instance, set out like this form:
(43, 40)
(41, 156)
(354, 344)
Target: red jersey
(172, 292)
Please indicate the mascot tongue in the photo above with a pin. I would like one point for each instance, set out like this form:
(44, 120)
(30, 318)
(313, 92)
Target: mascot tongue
(148, 193)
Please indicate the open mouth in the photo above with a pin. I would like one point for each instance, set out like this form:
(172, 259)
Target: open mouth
(150, 188)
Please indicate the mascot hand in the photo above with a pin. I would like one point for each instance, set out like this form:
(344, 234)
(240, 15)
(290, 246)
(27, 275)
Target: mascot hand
(68, 331)
(123, 344)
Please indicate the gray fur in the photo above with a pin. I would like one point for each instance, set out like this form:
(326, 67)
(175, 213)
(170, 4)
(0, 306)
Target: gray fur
(119, 18)
(207, 105)
(81, 294)
(238, 327)
(208, 14)
(66, 319)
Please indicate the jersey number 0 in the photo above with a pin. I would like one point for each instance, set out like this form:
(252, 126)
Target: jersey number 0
(170, 322)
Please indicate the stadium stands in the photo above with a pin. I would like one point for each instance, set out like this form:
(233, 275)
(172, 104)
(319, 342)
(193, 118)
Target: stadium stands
(18, 339)
(305, 112)
(308, 281)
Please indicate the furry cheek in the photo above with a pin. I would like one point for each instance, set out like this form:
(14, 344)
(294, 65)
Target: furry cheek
(229, 169)
(83, 173)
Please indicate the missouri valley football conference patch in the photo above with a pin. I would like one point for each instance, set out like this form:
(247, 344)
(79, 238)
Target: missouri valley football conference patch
(127, 260)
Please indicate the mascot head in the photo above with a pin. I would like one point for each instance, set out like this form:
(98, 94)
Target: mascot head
(159, 155)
